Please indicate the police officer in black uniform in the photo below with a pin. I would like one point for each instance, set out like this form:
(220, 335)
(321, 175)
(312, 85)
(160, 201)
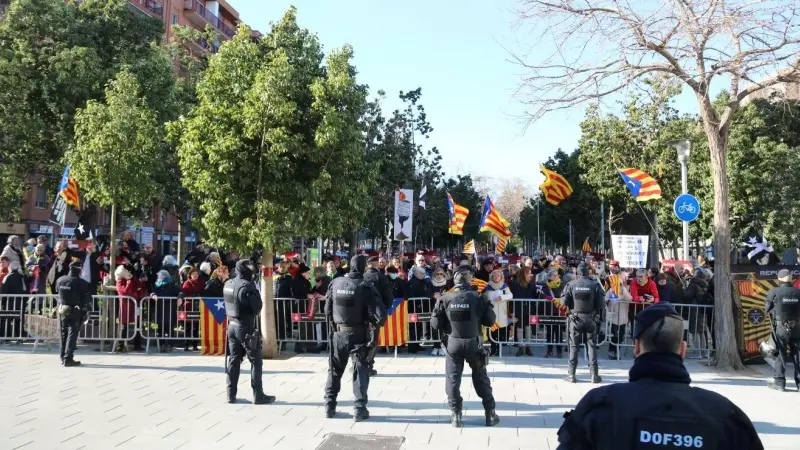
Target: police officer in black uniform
(657, 409)
(242, 306)
(585, 300)
(459, 315)
(783, 306)
(75, 299)
(381, 283)
(351, 306)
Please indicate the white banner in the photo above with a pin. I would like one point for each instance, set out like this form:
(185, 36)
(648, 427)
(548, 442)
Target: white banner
(630, 251)
(403, 212)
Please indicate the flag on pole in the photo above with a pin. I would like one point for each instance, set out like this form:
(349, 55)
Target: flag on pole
(586, 247)
(68, 189)
(212, 326)
(643, 187)
(493, 222)
(501, 245)
(469, 247)
(458, 215)
(556, 188)
(478, 283)
(395, 331)
(423, 195)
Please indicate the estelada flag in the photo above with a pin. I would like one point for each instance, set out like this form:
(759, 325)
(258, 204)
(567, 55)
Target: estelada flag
(212, 326)
(555, 188)
(493, 222)
(395, 331)
(458, 215)
(469, 247)
(643, 187)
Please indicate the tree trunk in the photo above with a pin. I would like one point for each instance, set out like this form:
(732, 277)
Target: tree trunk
(727, 352)
(353, 244)
(180, 242)
(268, 332)
(112, 251)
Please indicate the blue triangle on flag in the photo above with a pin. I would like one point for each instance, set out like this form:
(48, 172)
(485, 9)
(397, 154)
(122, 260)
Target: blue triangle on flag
(633, 185)
(395, 304)
(216, 306)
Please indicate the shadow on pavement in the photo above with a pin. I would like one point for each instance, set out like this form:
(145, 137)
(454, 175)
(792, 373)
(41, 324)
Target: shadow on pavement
(550, 419)
(771, 428)
(188, 369)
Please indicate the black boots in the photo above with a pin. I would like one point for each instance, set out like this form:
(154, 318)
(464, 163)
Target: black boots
(491, 418)
(71, 363)
(570, 378)
(455, 419)
(361, 415)
(231, 397)
(595, 376)
(779, 384)
(330, 411)
(263, 399)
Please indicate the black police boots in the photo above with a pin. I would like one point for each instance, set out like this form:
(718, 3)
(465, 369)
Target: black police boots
(263, 399)
(361, 415)
(491, 418)
(71, 363)
(570, 378)
(372, 372)
(231, 398)
(330, 412)
(595, 376)
(779, 384)
(455, 419)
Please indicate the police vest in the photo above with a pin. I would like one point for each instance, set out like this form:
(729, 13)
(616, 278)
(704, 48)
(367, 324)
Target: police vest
(647, 417)
(70, 290)
(349, 305)
(787, 304)
(461, 310)
(232, 293)
(583, 293)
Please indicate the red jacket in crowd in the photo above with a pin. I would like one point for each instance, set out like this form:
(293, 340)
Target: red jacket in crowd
(640, 291)
(129, 288)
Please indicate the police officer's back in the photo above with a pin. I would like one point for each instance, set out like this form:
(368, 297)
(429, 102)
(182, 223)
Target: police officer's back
(585, 299)
(460, 315)
(657, 409)
(783, 305)
(74, 298)
(351, 305)
(242, 306)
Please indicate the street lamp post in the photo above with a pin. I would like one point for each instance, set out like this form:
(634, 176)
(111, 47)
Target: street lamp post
(684, 147)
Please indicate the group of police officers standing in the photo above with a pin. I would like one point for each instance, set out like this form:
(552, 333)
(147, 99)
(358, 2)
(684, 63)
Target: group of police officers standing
(656, 408)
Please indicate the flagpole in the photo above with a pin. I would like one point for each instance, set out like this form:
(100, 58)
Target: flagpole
(653, 228)
(602, 228)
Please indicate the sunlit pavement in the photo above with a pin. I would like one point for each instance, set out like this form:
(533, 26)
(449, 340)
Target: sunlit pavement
(177, 400)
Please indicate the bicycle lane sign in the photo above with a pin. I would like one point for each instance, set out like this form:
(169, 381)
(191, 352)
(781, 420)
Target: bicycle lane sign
(686, 207)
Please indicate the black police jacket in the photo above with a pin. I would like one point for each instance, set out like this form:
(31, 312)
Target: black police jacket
(242, 300)
(461, 313)
(74, 291)
(783, 302)
(381, 283)
(584, 296)
(657, 409)
(354, 302)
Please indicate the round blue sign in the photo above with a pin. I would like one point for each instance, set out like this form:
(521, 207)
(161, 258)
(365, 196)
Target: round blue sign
(687, 208)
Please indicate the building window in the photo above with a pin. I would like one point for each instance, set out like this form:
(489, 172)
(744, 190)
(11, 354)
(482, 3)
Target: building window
(107, 217)
(174, 18)
(41, 197)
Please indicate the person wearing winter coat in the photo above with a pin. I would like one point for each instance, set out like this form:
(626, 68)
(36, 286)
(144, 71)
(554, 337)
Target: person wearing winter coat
(12, 251)
(283, 306)
(697, 293)
(164, 307)
(418, 287)
(301, 290)
(498, 293)
(192, 289)
(438, 288)
(552, 290)
(215, 284)
(524, 290)
(128, 287)
(665, 293)
(618, 300)
(12, 285)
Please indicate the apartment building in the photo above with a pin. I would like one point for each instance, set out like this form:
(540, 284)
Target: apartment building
(162, 226)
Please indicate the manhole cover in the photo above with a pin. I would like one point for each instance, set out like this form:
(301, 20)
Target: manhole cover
(336, 441)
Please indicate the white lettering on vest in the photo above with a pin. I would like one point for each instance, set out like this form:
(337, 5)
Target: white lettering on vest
(790, 300)
(459, 305)
(586, 289)
(345, 292)
(677, 440)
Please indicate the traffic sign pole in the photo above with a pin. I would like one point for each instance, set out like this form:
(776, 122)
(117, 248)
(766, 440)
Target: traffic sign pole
(685, 190)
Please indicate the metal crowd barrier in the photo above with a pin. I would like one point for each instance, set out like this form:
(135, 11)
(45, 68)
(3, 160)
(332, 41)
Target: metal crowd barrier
(420, 332)
(168, 320)
(698, 327)
(532, 323)
(300, 321)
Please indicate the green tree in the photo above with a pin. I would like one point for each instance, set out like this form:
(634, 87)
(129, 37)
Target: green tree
(274, 147)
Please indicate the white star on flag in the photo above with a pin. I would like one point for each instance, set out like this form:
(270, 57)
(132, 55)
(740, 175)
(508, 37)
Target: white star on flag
(220, 305)
(80, 227)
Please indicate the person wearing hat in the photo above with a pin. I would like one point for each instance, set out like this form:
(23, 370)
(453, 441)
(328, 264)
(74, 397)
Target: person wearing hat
(74, 300)
(585, 300)
(783, 305)
(657, 408)
(301, 290)
(459, 315)
(373, 275)
(487, 267)
(352, 305)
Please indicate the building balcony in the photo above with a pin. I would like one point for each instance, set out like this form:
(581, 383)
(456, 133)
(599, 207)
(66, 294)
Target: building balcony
(197, 13)
(152, 8)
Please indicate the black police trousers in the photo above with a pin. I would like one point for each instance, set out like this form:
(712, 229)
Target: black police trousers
(344, 346)
(458, 351)
(373, 348)
(784, 338)
(582, 325)
(237, 349)
(70, 328)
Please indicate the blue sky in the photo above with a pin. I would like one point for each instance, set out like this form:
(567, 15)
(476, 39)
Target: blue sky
(455, 52)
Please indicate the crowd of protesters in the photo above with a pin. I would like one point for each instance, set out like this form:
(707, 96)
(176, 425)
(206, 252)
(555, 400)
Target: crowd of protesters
(141, 273)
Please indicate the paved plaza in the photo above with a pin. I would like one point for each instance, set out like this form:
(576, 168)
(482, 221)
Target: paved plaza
(177, 400)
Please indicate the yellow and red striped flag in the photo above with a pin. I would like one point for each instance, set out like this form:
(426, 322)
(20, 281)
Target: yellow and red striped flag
(212, 326)
(493, 222)
(469, 247)
(555, 188)
(478, 283)
(458, 215)
(68, 190)
(501, 245)
(395, 330)
(587, 248)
